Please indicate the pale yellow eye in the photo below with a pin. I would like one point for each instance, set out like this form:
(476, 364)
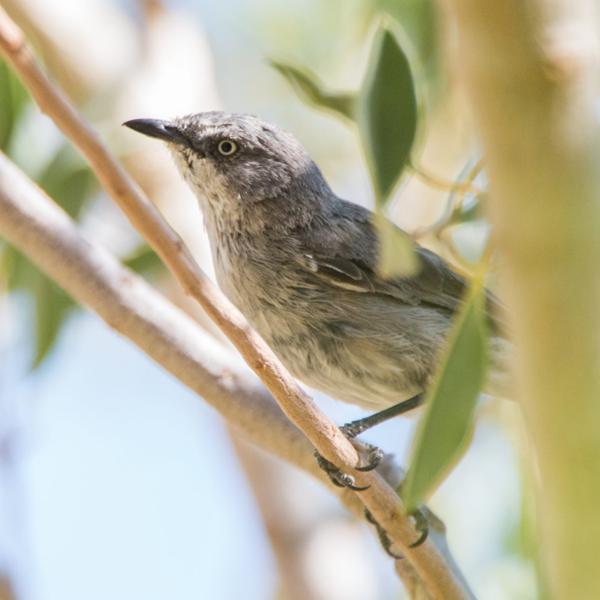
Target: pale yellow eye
(227, 147)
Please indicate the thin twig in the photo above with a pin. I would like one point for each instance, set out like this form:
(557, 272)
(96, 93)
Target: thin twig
(380, 498)
(453, 187)
(456, 191)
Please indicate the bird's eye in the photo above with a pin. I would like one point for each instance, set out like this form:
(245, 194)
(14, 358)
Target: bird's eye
(227, 147)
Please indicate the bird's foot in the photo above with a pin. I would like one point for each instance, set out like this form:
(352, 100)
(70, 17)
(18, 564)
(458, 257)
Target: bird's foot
(337, 476)
(421, 525)
(373, 457)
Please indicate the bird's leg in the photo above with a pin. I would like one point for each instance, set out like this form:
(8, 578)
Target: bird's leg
(354, 428)
(374, 454)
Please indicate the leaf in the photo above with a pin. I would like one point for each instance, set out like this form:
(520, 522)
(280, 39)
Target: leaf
(68, 180)
(13, 100)
(308, 87)
(52, 305)
(443, 431)
(397, 257)
(143, 260)
(467, 213)
(387, 115)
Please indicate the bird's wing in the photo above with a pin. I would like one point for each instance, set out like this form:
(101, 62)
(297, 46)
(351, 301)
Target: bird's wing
(344, 254)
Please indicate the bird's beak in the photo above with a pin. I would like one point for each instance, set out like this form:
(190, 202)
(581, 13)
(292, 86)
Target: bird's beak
(163, 130)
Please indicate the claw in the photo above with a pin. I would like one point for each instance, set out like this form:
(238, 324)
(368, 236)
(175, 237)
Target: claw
(337, 476)
(384, 538)
(356, 488)
(422, 525)
(375, 457)
(420, 522)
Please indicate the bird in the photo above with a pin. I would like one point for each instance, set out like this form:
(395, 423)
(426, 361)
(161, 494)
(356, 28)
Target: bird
(301, 264)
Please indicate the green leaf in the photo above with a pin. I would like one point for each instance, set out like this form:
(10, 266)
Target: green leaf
(52, 305)
(13, 99)
(308, 87)
(397, 257)
(443, 431)
(68, 180)
(143, 260)
(387, 113)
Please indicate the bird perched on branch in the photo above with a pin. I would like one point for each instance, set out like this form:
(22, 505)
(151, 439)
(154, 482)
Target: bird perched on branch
(301, 265)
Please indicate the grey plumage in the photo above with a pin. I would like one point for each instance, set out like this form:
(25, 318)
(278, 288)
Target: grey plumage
(300, 263)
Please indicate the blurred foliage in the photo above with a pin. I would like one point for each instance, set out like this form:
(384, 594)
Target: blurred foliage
(13, 99)
(70, 183)
(396, 251)
(312, 90)
(443, 431)
(143, 260)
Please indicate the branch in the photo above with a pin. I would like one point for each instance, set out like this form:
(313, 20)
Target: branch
(531, 69)
(381, 500)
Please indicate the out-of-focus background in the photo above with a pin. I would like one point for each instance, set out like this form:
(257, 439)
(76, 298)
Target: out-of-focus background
(117, 482)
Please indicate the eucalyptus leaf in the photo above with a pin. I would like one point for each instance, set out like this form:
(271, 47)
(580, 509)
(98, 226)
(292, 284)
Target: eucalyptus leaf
(143, 260)
(52, 306)
(443, 431)
(397, 257)
(311, 90)
(67, 180)
(387, 114)
(13, 100)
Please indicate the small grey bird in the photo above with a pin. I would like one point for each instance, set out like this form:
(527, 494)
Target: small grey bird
(301, 265)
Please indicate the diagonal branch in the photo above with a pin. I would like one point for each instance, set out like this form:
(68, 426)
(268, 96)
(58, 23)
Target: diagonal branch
(381, 500)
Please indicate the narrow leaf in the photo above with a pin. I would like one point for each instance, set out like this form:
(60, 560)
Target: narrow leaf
(67, 180)
(387, 113)
(143, 260)
(397, 257)
(310, 89)
(13, 100)
(444, 429)
(52, 305)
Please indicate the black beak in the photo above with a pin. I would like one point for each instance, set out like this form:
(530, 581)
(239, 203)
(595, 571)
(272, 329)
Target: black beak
(163, 130)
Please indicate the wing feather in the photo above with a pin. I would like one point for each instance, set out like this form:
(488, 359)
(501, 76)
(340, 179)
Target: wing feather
(345, 255)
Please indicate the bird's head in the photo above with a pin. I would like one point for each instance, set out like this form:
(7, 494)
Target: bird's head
(234, 162)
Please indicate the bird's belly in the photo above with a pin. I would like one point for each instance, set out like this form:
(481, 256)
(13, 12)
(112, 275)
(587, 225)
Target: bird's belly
(343, 370)
(371, 366)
